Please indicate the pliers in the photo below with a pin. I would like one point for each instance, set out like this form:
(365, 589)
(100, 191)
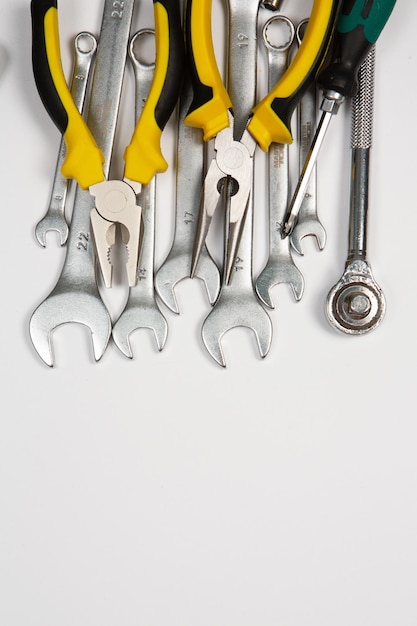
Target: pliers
(212, 111)
(115, 200)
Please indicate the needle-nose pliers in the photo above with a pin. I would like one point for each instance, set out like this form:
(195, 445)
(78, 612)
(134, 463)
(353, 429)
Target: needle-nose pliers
(212, 111)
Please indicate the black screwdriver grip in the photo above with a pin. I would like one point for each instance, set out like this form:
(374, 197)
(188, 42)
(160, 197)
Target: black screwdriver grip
(341, 74)
(359, 26)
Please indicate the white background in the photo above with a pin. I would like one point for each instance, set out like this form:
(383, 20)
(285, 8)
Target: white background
(165, 490)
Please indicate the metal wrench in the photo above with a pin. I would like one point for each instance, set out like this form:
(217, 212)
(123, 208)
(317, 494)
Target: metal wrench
(141, 310)
(85, 46)
(238, 304)
(280, 267)
(189, 180)
(308, 220)
(356, 304)
(76, 298)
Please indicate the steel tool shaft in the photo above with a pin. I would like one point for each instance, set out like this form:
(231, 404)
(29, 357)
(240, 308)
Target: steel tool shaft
(358, 28)
(356, 304)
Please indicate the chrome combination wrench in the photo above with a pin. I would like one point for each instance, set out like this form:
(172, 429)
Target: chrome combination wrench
(189, 181)
(75, 297)
(85, 46)
(280, 267)
(356, 304)
(238, 304)
(308, 223)
(141, 310)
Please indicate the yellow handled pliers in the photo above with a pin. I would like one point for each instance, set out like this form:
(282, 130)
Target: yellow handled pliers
(212, 111)
(115, 200)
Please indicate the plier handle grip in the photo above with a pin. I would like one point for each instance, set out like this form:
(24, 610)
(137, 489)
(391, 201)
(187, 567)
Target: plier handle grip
(115, 201)
(270, 120)
(212, 110)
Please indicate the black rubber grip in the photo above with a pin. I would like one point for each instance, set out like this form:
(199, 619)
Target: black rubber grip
(41, 70)
(201, 93)
(341, 73)
(176, 61)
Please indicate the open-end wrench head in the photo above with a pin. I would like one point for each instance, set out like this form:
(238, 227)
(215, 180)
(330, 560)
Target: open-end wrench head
(176, 268)
(248, 314)
(63, 308)
(50, 222)
(275, 273)
(304, 228)
(135, 318)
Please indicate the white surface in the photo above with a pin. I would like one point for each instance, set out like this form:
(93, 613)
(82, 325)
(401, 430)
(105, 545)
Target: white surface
(165, 490)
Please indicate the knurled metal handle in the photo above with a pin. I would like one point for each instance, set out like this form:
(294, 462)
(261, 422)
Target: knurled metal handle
(363, 104)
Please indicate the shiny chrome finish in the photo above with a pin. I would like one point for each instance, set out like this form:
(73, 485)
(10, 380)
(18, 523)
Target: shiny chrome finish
(280, 267)
(237, 304)
(141, 310)
(76, 298)
(330, 105)
(234, 161)
(85, 46)
(308, 223)
(356, 304)
(272, 5)
(189, 182)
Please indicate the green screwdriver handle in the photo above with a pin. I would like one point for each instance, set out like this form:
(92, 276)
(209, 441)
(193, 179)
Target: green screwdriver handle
(359, 25)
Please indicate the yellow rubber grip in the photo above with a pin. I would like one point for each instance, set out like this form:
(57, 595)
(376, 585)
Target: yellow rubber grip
(143, 156)
(271, 117)
(84, 159)
(209, 110)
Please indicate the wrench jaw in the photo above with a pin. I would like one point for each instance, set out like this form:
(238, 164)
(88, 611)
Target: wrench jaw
(176, 268)
(247, 313)
(55, 222)
(150, 317)
(305, 228)
(275, 273)
(64, 308)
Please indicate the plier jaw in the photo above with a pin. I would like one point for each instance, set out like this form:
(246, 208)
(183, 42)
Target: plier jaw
(233, 162)
(116, 204)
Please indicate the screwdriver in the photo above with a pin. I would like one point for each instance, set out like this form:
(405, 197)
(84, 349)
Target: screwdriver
(358, 27)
